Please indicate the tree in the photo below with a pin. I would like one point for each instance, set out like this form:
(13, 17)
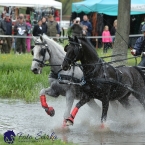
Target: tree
(123, 29)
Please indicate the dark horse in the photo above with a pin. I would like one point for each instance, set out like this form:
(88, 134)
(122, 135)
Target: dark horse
(103, 81)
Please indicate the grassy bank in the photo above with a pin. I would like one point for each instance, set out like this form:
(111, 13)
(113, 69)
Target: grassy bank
(34, 142)
(17, 80)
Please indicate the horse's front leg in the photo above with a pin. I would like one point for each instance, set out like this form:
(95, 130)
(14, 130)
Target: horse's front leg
(49, 91)
(105, 106)
(83, 101)
(69, 103)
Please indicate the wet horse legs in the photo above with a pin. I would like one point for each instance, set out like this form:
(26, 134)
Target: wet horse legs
(83, 101)
(49, 110)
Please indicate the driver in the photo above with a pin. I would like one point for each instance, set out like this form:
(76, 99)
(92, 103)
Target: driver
(139, 48)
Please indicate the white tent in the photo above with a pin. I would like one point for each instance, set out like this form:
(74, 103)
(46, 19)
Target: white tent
(32, 3)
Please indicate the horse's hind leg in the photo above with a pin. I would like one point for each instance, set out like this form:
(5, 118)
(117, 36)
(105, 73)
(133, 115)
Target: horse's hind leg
(140, 98)
(125, 101)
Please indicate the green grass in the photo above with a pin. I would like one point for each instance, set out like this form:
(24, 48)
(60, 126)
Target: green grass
(17, 80)
(34, 142)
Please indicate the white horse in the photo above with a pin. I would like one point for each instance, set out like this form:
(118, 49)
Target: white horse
(47, 49)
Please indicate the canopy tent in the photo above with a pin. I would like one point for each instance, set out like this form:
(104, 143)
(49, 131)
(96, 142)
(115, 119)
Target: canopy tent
(108, 7)
(32, 3)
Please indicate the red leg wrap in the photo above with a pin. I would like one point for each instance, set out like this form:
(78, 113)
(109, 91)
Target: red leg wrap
(43, 101)
(74, 112)
(49, 110)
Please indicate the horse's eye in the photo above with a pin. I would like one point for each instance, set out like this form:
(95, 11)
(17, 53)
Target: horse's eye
(32, 52)
(42, 52)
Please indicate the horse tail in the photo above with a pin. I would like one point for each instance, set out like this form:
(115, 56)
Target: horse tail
(141, 72)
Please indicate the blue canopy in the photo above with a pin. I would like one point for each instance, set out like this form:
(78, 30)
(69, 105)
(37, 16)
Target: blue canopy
(108, 7)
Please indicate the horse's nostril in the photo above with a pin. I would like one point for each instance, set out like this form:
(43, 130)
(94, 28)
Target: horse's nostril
(35, 70)
(65, 68)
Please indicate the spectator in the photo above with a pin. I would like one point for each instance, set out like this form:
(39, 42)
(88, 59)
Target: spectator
(106, 39)
(37, 31)
(76, 29)
(8, 24)
(113, 29)
(141, 25)
(53, 29)
(28, 40)
(57, 16)
(2, 32)
(87, 26)
(20, 29)
(44, 25)
(139, 47)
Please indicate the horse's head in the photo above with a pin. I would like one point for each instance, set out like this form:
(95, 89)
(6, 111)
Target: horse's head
(73, 53)
(41, 54)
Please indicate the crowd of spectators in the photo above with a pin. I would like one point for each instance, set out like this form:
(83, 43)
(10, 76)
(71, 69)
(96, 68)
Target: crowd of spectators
(23, 28)
(84, 28)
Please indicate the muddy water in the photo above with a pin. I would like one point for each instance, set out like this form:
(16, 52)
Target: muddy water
(123, 128)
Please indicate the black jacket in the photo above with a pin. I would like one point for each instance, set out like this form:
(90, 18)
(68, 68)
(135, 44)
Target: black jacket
(113, 31)
(44, 28)
(37, 30)
(2, 26)
(8, 25)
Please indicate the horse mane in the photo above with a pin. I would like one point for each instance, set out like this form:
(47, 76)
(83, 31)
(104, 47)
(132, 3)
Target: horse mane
(87, 42)
(141, 73)
(54, 44)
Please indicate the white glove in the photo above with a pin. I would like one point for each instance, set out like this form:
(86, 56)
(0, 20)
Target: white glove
(143, 53)
(133, 51)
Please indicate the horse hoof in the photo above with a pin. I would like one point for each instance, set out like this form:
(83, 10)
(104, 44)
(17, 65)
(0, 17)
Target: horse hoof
(102, 126)
(68, 123)
(50, 111)
(64, 124)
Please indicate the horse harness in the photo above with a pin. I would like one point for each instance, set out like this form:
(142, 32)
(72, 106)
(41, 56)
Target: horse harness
(42, 52)
(54, 75)
(76, 51)
(105, 80)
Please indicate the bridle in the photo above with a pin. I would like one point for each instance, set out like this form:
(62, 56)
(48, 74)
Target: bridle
(77, 49)
(42, 52)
